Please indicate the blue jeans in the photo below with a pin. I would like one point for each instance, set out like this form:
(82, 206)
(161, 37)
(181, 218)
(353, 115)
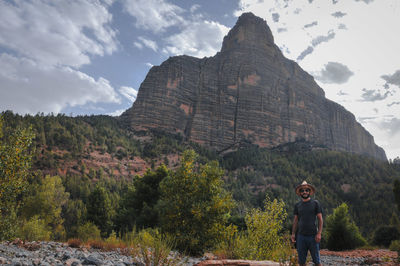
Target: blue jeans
(305, 244)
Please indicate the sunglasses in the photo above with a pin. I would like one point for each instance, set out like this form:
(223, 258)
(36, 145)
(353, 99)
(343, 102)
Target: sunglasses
(304, 190)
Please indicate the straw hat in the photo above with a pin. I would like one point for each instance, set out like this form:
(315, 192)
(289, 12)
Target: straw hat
(305, 185)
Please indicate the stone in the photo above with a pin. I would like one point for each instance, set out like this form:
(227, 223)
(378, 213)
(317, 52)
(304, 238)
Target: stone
(72, 262)
(247, 93)
(237, 263)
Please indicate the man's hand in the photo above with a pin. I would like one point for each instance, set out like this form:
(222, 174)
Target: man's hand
(318, 238)
(293, 238)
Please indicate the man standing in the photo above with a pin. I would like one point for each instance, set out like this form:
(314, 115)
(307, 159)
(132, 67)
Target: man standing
(306, 212)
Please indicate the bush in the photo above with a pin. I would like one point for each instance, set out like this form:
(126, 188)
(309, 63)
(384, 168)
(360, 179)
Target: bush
(155, 249)
(385, 234)
(74, 242)
(35, 229)
(263, 239)
(88, 231)
(342, 233)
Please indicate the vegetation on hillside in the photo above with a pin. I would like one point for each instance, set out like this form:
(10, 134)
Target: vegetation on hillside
(91, 177)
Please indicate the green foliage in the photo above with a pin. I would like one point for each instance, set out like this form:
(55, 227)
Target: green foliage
(342, 232)
(137, 206)
(263, 239)
(99, 210)
(154, 248)
(75, 215)
(46, 202)
(15, 162)
(88, 231)
(36, 229)
(385, 234)
(264, 228)
(194, 207)
(396, 192)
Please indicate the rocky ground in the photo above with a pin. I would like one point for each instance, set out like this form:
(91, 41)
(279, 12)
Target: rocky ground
(53, 253)
(17, 253)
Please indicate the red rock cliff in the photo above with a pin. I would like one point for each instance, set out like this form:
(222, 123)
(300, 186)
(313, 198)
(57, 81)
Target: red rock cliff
(247, 92)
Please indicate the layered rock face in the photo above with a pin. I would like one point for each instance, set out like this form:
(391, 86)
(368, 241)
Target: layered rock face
(247, 92)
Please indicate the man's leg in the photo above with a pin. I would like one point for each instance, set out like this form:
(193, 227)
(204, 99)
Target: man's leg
(302, 249)
(314, 251)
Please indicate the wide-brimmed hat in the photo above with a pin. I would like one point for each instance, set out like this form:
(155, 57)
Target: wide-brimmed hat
(305, 185)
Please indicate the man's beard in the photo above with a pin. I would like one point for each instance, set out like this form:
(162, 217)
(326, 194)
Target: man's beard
(305, 196)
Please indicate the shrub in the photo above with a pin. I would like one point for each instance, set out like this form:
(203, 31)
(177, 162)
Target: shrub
(35, 229)
(385, 234)
(155, 249)
(88, 231)
(263, 230)
(342, 232)
(74, 242)
(262, 240)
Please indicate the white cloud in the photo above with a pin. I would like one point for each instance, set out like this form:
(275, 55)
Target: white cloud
(194, 7)
(334, 72)
(116, 112)
(154, 15)
(149, 43)
(138, 45)
(199, 39)
(129, 93)
(53, 32)
(393, 79)
(28, 87)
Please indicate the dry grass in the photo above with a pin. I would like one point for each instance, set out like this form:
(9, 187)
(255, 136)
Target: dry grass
(74, 242)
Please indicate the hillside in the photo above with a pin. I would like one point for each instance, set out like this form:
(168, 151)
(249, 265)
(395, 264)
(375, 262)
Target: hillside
(87, 150)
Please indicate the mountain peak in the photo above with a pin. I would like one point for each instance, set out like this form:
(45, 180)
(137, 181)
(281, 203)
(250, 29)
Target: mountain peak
(249, 31)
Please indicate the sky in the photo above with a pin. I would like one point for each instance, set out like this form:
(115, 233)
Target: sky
(82, 57)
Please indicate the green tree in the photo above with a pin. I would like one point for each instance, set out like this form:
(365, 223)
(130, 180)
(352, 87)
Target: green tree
(342, 232)
(46, 203)
(194, 207)
(99, 210)
(264, 230)
(74, 213)
(396, 191)
(137, 206)
(15, 162)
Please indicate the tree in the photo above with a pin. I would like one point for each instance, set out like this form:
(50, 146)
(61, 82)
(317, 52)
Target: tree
(46, 203)
(137, 206)
(396, 191)
(264, 230)
(342, 232)
(15, 162)
(74, 213)
(194, 207)
(385, 234)
(99, 210)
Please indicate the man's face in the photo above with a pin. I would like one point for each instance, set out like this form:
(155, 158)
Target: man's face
(305, 193)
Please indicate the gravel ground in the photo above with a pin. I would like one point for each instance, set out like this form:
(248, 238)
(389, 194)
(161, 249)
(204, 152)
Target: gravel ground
(54, 253)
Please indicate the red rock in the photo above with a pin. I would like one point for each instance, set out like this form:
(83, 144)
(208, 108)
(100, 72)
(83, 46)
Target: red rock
(247, 92)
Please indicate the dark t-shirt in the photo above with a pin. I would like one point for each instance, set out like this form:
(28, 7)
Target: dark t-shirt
(307, 214)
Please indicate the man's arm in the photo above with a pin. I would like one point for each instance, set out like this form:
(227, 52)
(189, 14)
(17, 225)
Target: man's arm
(294, 228)
(320, 223)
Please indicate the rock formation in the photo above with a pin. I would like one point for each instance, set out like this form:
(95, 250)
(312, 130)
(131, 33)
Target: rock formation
(247, 92)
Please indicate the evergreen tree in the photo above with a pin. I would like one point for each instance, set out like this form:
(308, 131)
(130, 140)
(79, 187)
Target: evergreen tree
(342, 232)
(99, 210)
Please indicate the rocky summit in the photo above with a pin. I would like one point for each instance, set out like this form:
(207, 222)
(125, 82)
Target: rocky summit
(247, 93)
